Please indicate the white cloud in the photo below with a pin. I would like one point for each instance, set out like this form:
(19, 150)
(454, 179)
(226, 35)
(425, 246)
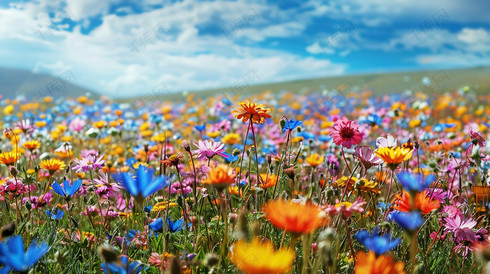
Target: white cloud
(131, 54)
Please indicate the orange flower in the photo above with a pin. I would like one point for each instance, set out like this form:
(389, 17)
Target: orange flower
(294, 217)
(9, 158)
(422, 202)
(32, 145)
(251, 111)
(270, 182)
(369, 264)
(220, 176)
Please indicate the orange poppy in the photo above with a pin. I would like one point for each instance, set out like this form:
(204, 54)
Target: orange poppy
(422, 202)
(369, 264)
(294, 217)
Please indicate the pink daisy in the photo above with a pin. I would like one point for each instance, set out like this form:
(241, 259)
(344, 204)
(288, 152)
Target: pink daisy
(346, 133)
(208, 149)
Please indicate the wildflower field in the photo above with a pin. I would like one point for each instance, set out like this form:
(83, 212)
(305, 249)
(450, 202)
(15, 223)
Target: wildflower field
(325, 182)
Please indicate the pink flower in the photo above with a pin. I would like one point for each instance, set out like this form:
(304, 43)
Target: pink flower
(208, 149)
(366, 156)
(461, 227)
(88, 163)
(346, 133)
(477, 138)
(389, 141)
(346, 208)
(77, 124)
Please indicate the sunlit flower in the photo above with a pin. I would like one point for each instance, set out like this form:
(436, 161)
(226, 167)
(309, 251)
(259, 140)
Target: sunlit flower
(246, 111)
(394, 156)
(267, 180)
(370, 264)
(52, 165)
(346, 133)
(9, 158)
(231, 138)
(32, 145)
(461, 227)
(259, 257)
(294, 217)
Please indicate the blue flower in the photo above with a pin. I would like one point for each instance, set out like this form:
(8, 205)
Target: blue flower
(157, 225)
(177, 225)
(413, 182)
(55, 216)
(200, 127)
(374, 119)
(384, 206)
(307, 135)
(12, 254)
(378, 244)
(134, 267)
(230, 158)
(408, 220)
(292, 125)
(67, 191)
(143, 185)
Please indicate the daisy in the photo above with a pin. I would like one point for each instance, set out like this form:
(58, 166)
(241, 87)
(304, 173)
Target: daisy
(208, 149)
(366, 156)
(346, 133)
(88, 163)
(254, 112)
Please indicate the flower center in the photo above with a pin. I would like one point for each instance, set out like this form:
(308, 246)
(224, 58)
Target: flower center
(346, 133)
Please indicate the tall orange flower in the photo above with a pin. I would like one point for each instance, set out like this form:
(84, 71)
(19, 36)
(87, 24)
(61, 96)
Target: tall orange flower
(422, 202)
(294, 217)
(257, 113)
(369, 264)
(220, 177)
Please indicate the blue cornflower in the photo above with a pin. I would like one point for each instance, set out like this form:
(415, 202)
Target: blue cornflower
(374, 119)
(230, 158)
(143, 185)
(408, 220)
(13, 255)
(67, 191)
(55, 216)
(378, 244)
(177, 225)
(157, 225)
(134, 267)
(414, 182)
(292, 125)
(200, 127)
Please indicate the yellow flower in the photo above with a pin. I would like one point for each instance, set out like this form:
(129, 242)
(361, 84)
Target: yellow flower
(32, 145)
(213, 134)
(52, 165)
(162, 206)
(231, 138)
(99, 124)
(9, 158)
(393, 156)
(315, 160)
(258, 257)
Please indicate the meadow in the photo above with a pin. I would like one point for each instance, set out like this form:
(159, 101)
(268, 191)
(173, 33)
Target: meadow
(333, 181)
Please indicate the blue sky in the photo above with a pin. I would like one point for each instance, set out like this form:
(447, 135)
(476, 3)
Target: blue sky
(129, 47)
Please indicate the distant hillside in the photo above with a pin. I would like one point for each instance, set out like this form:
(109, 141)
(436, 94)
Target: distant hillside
(381, 83)
(14, 82)
(436, 81)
